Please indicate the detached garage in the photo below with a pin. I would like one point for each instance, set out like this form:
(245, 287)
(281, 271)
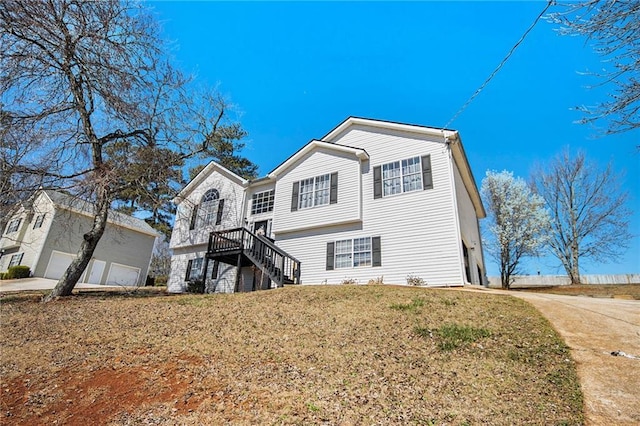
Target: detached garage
(48, 231)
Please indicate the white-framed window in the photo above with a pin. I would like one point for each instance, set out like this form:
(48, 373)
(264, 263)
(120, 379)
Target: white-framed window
(362, 251)
(16, 259)
(194, 269)
(13, 226)
(402, 176)
(314, 191)
(208, 210)
(37, 223)
(411, 175)
(262, 202)
(344, 254)
(353, 253)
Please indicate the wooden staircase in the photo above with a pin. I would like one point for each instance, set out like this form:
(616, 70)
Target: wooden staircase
(241, 247)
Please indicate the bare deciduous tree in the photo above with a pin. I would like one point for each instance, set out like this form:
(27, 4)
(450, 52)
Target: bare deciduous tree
(613, 28)
(92, 78)
(589, 216)
(517, 221)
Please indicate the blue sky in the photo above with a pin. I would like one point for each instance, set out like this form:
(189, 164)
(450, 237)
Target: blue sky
(297, 69)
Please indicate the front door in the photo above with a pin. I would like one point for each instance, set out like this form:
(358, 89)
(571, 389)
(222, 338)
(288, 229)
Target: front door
(264, 224)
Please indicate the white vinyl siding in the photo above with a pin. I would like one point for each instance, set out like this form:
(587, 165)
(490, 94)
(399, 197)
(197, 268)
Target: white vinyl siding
(469, 228)
(348, 205)
(418, 230)
(223, 282)
(232, 215)
(358, 236)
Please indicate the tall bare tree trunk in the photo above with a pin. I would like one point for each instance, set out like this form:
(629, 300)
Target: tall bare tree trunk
(72, 275)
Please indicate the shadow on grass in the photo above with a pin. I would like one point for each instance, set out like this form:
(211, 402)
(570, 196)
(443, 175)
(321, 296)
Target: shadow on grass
(85, 294)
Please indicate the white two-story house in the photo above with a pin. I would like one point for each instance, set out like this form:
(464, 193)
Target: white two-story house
(371, 200)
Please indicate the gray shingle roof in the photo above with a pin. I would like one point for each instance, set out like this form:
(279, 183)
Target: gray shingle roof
(81, 205)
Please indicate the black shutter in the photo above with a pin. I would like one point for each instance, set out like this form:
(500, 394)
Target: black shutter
(376, 252)
(294, 196)
(220, 210)
(194, 217)
(427, 178)
(330, 256)
(377, 182)
(333, 195)
(216, 267)
(186, 277)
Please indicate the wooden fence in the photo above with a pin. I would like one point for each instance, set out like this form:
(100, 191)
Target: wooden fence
(521, 281)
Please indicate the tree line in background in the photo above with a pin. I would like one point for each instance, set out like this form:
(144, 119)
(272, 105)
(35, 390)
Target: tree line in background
(570, 208)
(92, 106)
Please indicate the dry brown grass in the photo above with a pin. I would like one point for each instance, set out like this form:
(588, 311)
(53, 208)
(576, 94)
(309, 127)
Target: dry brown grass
(630, 291)
(299, 355)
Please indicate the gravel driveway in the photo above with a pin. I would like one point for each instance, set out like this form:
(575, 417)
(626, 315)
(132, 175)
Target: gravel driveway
(594, 328)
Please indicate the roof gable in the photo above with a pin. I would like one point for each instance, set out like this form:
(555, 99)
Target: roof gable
(313, 146)
(447, 136)
(203, 175)
(86, 208)
(351, 121)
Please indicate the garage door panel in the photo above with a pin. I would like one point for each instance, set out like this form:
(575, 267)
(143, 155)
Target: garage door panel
(58, 264)
(123, 275)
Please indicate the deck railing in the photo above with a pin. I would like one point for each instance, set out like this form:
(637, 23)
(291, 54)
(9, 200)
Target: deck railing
(271, 259)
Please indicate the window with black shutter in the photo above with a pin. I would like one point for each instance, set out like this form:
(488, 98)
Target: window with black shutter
(220, 210)
(333, 197)
(376, 251)
(427, 176)
(330, 256)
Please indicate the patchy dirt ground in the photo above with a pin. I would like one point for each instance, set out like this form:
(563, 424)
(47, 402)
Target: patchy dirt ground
(299, 355)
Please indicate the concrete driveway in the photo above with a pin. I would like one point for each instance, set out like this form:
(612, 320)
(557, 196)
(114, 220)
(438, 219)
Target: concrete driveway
(594, 328)
(27, 284)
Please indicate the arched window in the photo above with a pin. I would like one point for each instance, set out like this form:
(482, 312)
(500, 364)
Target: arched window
(209, 207)
(209, 211)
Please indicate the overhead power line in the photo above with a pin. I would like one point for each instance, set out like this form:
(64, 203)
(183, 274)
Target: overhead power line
(500, 65)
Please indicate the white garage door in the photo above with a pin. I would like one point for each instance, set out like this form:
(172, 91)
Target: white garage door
(123, 275)
(58, 263)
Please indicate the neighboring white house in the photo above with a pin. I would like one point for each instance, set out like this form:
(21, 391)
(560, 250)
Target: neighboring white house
(370, 200)
(46, 233)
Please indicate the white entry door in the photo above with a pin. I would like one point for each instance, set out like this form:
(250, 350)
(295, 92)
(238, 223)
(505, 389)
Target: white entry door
(58, 263)
(96, 271)
(123, 275)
